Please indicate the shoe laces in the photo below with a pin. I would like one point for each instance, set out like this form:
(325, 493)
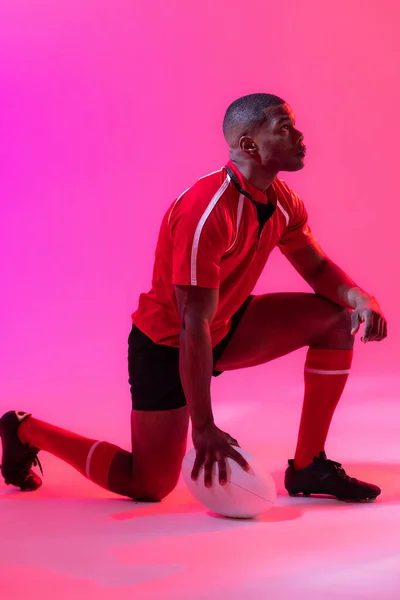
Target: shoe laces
(333, 466)
(30, 460)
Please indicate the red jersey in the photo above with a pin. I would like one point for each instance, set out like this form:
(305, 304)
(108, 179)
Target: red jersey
(211, 237)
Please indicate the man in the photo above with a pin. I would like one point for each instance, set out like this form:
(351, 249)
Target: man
(200, 319)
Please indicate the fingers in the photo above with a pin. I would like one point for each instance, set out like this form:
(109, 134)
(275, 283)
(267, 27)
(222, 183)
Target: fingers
(208, 468)
(208, 463)
(368, 327)
(233, 442)
(375, 328)
(379, 330)
(198, 463)
(222, 471)
(237, 457)
(355, 323)
(382, 332)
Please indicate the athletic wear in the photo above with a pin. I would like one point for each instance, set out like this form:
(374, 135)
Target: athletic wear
(212, 237)
(325, 376)
(18, 458)
(92, 458)
(154, 369)
(327, 477)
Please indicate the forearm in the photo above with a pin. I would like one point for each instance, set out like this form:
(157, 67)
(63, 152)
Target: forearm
(196, 366)
(332, 282)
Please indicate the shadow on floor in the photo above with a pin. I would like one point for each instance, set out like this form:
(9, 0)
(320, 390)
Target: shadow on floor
(180, 502)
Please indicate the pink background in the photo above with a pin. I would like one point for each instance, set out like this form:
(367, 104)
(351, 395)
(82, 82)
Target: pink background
(110, 110)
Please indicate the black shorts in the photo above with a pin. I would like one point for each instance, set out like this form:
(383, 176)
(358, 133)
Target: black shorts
(154, 369)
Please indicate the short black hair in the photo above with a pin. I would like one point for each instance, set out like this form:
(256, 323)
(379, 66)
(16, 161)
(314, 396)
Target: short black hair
(245, 113)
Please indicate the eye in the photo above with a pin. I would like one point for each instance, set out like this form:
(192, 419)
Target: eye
(285, 128)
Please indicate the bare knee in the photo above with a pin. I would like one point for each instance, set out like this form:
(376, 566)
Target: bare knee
(159, 445)
(343, 319)
(336, 334)
(153, 490)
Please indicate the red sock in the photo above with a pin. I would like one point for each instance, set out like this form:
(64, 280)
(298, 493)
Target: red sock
(90, 457)
(325, 376)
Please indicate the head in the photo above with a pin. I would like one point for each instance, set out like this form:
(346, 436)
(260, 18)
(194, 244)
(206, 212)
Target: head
(262, 127)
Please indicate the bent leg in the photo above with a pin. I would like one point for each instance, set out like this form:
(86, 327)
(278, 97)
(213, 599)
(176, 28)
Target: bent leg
(159, 424)
(275, 325)
(150, 472)
(158, 446)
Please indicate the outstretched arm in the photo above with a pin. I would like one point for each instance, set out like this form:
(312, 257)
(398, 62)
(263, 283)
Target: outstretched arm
(330, 281)
(197, 307)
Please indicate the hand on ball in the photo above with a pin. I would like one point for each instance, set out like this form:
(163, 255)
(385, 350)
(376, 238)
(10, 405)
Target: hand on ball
(213, 445)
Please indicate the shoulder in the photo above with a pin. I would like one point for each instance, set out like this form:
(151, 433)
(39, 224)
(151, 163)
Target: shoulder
(284, 193)
(287, 198)
(209, 188)
(209, 198)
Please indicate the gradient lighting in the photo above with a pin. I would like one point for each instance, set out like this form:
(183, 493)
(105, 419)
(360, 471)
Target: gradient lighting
(108, 112)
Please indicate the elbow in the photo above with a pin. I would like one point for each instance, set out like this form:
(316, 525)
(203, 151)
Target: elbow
(193, 317)
(193, 323)
(316, 277)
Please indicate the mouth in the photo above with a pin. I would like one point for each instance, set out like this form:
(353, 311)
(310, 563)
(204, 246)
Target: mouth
(302, 152)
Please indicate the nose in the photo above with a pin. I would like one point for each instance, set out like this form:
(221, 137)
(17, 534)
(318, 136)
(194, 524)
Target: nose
(299, 137)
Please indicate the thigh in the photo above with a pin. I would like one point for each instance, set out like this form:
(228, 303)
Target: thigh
(275, 325)
(158, 446)
(154, 377)
(159, 419)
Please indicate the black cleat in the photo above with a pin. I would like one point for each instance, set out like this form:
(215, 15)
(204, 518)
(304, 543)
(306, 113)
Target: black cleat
(18, 458)
(326, 477)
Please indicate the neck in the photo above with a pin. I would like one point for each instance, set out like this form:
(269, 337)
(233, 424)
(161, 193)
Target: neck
(259, 176)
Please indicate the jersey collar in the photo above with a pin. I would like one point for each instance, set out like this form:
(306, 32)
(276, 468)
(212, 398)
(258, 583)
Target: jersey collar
(256, 194)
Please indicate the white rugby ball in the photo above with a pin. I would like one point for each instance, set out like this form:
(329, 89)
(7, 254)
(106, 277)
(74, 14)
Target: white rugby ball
(245, 495)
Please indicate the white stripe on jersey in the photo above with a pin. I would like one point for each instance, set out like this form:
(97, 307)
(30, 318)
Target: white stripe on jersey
(279, 205)
(238, 219)
(183, 193)
(199, 228)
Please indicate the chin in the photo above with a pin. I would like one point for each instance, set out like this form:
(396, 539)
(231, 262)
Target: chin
(295, 166)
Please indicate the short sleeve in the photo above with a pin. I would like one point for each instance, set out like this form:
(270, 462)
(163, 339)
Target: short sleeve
(298, 233)
(199, 240)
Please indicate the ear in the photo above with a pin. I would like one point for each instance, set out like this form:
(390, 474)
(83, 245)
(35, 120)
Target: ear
(247, 144)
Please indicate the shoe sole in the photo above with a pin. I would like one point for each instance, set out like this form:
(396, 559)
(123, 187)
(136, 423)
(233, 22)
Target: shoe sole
(24, 489)
(31, 489)
(308, 494)
(7, 482)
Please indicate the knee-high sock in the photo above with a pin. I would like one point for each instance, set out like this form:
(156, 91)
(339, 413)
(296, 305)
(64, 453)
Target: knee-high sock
(101, 462)
(325, 376)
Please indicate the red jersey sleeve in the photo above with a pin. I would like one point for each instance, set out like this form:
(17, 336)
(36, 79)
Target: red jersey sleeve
(200, 236)
(298, 233)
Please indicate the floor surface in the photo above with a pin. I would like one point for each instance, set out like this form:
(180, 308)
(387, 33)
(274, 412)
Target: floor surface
(72, 540)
